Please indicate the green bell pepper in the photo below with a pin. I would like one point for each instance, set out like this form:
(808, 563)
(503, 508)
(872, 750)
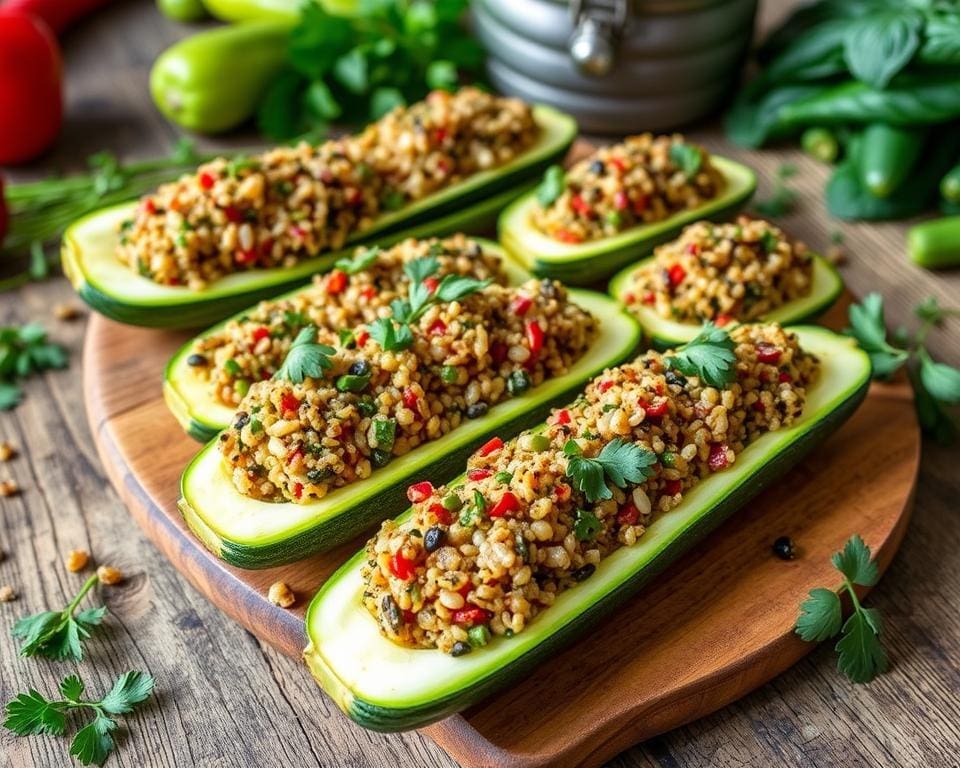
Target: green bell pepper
(213, 81)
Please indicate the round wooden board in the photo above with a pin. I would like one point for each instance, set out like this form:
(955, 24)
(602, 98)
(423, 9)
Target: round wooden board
(714, 626)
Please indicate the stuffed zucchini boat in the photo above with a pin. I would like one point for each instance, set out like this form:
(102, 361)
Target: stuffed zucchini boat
(209, 375)
(745, 271)
(582, 225)
(214, 242)
(394, 660)
(305, 466)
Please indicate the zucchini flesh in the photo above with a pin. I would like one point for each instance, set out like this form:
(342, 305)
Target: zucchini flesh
(826, 287)
(590, 262)
(386, 687)
(114, 290)
(201, 415)
(256, 534)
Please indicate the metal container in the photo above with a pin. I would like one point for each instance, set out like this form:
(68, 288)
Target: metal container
(618, 66)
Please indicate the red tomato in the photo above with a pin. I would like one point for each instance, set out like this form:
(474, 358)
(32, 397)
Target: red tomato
(31, 99)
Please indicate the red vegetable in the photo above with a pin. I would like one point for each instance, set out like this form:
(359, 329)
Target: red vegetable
(521, 304)
(672, 487)
(410, 398)
(336, 282)
(420, 491)
(206, 180)
(437, 327)
(534, 339)
(479, 474)
(628, 514)
(657, 408)
(493, 444)
(289, 402)
(31, 99)
(471, 616)
(58, 14)
(260, 332)
(441, 513)
(768, 353)
(431, 283)
(507, 503)
(676, 273)
(718, 457)
(402, 568)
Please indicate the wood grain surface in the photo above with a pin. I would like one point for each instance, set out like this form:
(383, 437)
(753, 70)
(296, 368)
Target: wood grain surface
(226, 699)
(713, 627)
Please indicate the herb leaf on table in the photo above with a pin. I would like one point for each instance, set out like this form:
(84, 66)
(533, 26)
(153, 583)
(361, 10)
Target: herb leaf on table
(861, 656)
(24, 351)
(60, 635)
(709, 356)
(31, 714)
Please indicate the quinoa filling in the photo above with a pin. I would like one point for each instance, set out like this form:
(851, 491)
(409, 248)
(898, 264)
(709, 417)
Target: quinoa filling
(644, 179)
(297, 441)
(723, 272)
(485, 557)
(289, 204)
(253, 347)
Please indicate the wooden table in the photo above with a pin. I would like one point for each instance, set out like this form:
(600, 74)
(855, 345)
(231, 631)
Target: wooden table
(226, 700)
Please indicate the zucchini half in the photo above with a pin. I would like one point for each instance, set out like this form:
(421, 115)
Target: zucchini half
(827, 285)
(114, 290)
(201, 415)
(588, 263)
(386, 687)
(250, 533)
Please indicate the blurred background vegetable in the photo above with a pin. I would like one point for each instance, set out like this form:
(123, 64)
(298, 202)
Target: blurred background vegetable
(58, 14)
(864, 82)
(183, 10)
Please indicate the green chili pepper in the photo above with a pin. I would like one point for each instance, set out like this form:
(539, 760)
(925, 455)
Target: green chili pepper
(888, 154)
(821, 144)
(351, 383)
(935, 244)
(950, 185)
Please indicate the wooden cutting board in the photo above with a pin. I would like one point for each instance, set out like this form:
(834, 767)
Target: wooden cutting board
(713, 627)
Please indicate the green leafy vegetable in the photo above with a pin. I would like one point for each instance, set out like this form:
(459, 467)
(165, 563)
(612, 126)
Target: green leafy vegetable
(709, 356)
(363, 259)
(935, 385)
(552, 186)
(687, 158)
(390, 335)
(59, 634)
(31, 714)
(25, 350)
(619, 461)
(878, 46)
(862, 656)
(306, 358)
(357, 67)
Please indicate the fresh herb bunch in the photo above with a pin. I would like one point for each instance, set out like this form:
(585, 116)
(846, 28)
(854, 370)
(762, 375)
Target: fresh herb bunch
(356, 68)
(936, 386)
(31, 713)
(783, 199)
(393, 333)
(619, 462)
(41, 210)
(60, 635)
(709, 356)
(862, 657)
(24, 350)
(306, 357)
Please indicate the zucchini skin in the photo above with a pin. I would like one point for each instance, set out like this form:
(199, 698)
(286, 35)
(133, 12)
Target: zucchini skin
(390, 719)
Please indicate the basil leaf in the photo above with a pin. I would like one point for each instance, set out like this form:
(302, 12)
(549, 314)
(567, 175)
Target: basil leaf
(879, 46)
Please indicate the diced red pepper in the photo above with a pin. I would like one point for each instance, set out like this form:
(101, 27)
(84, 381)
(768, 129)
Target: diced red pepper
(441, 513)
(657, 408)
(718, 457)
(337, 282)
(618, 163)
(534, 338)
(507, 503)
(470, 616)
(260, 332)
(368, 292)
(649, 297)
(479, 474)
(437, 327)
(521, 304)
(206, 180)
(566, 236)
(402, 568)
(298, 231)
(266, 246)
(640, 204)
(431, 283)
(693, 249)
(420, 491)
(292, 456)
(620, 200)
(672, 487)
(362, 337)
(676, 273)
(758, 406)
(498, 352)
(562, 416)
(410, 398)
(354, 196)
(149, 206)
(289, 402)
(298, 490)
(465, 589)
(492, 445)
(234, 215)
(245, 256)
(768, 353)
(561, 491)
(604, 385)
(439, 135)
(785, 377)
(409, 617)
(723, 319)
(443, 166)
(628, 514)
(581, 206)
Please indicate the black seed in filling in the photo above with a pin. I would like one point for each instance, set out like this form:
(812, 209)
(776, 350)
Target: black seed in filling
(380, 458)
(675, 378)
(359, 368)
(597, 167)
(242, 420)
(584, 573)
(433, 539)
(460, 648)
(476, 410)
(197, 360)
(390, 612)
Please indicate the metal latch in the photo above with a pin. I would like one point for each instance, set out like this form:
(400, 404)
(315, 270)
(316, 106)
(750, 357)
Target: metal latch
(597, 26)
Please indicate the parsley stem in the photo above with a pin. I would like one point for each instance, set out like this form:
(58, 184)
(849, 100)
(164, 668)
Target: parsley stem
(848, 585)
(87, 586)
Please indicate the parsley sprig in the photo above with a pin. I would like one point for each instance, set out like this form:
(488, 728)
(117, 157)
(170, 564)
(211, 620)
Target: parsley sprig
(936, 385)
(362, 259)
(60, 634)
(709, 356)
(393, 333)
(862, 657)
(686, 157)
(619, 462)
(32, 713)
(552, 185)
(24, 350)
(306, 357)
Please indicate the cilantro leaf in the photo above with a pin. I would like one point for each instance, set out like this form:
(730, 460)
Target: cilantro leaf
(389, 335)
(10, 395)
(93, 743)
(868, 328)
(59, 634)
(129, 690)
(71, 688)
(820, 617)
(587, 476)
(619, 461)
(456, 287)
(420, 269)
(855, 564)
(30, 713)
(942, 381)
(709, 356)
(862, 657)
(552, 186)
(687, 158)
(306, 358)
(930, 311)
(362, 259)
(24, 351)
